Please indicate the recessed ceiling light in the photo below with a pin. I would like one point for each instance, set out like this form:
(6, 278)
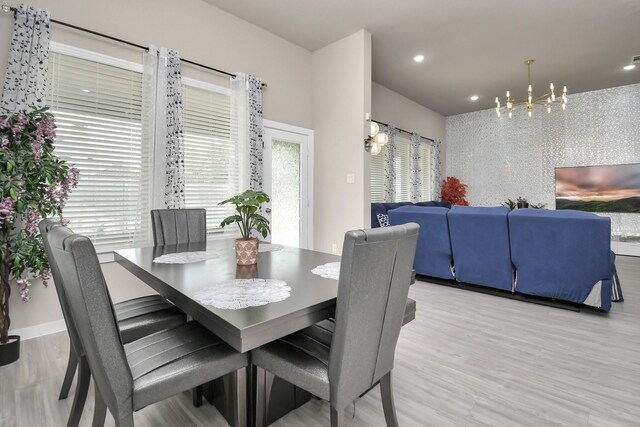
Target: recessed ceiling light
(629, 67)
(86, 90)
(418, 58)
(474, 98)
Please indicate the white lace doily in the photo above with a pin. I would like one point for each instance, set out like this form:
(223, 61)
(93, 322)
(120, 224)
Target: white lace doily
(269, 247)
(242, 293)
(330, 270)
(185, 257)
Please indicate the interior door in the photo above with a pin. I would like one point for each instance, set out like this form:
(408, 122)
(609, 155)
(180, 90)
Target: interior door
(286, 171)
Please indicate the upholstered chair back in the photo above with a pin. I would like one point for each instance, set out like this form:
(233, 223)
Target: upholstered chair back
(45, 226)
(92, 311)
(375, 275)
(176, 226)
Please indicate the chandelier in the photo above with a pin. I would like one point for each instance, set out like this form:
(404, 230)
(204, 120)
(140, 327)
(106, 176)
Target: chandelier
(547, 99)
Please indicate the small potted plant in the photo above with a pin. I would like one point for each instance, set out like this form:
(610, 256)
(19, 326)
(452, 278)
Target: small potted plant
(247, 217)
(522, 203)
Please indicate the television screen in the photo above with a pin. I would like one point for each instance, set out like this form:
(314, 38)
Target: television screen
(610, 188)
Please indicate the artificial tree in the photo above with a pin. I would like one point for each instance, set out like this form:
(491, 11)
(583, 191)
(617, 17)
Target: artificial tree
(454, 191)
(34, 184)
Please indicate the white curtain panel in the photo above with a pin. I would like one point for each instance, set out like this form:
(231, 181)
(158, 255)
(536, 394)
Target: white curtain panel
(162, 125)
(25, 84)
(415, 177)
(436, 171)
(246, 106)
(389, 170)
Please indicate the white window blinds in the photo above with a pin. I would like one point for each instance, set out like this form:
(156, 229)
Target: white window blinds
(210, 155)
(402, 167)
(98, 115)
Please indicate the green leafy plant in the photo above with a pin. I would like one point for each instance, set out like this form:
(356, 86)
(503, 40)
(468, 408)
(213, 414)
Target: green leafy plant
(247, 216)
(34, 183)
(510, 204)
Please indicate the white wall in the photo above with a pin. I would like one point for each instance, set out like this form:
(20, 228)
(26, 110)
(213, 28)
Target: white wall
(341, 98)
(391, 107)
(502, 158)
(199, 32)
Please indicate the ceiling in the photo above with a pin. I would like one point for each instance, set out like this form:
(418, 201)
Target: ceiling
(471, 47)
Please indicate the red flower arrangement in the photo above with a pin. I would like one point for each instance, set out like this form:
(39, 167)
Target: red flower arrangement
(454, 191)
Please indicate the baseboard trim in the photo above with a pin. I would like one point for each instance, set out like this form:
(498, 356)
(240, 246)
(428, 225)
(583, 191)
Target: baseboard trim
(40, 330)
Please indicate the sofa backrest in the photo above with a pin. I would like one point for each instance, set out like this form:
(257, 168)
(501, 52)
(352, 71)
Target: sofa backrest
(384, 208)
(560, 254)
(480, 245)
(433, 253)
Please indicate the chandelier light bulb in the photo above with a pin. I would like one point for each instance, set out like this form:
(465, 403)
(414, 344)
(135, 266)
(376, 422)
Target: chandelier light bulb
(529, 113)
(375, 149)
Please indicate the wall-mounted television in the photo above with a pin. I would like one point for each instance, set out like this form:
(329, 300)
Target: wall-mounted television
(607, 188)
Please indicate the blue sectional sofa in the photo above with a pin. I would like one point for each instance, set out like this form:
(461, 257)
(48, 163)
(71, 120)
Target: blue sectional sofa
(563, 255)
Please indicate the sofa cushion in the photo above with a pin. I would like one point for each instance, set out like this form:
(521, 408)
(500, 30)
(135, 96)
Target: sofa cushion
(383, 220)
(480, 245)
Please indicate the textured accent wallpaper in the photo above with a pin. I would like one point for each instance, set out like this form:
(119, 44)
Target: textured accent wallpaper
(502, 158)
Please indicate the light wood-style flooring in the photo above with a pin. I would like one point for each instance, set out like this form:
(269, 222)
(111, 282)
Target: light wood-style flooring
(468, 359)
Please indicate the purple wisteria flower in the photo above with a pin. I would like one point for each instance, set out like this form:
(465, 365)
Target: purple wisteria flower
(23, 285)
(36, 149)
(46, 276)
(4, 142)
(33, 218)
(4, 123)
(46, 128)
(7, 210)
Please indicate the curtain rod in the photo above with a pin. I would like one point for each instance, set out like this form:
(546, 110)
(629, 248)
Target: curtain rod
(403, 131)
(106, 36)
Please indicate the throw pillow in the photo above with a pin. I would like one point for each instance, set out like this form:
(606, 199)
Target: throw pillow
(383, 220)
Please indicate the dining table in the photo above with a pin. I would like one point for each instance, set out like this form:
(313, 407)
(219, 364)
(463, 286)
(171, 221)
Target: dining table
(312, 299)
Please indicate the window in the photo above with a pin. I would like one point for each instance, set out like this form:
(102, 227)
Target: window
(210, 155)
(97, 103)
(402, 168)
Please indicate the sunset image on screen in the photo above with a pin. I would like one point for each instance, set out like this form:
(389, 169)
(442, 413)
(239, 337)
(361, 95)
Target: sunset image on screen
(613, 188)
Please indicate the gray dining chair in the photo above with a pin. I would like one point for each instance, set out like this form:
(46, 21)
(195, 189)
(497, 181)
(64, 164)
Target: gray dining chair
(375, 274)
(176, 226)
(137, 318)
(128, 377)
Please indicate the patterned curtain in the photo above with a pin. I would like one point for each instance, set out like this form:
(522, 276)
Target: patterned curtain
(162, 125)
(436, 171)
(415, 177)
(26, 81)
(246, 103)
(389, 169)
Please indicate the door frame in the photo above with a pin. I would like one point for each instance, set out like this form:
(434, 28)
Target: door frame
(308, 134)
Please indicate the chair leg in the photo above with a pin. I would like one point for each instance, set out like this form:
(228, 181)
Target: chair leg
(80, 396)
(239, 396)
(337, 417)
(386, 390)
(258, 397)
(197, 396)
(100, 411)
(72, 365)
(125, 422)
